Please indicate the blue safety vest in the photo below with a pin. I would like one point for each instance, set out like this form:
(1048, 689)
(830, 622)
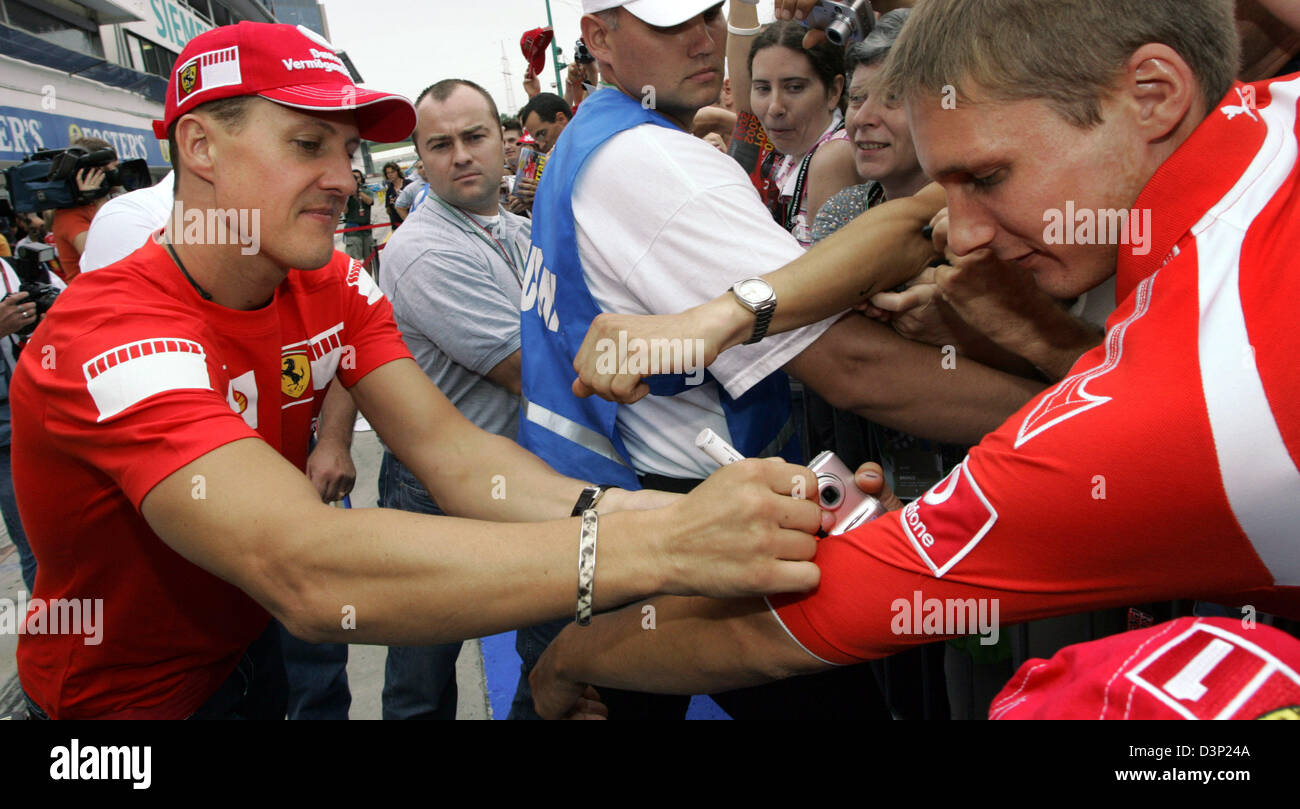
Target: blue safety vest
(578, 437)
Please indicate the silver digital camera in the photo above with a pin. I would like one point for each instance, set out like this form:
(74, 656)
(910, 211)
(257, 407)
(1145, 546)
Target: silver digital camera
(839, 494)
(844, 23)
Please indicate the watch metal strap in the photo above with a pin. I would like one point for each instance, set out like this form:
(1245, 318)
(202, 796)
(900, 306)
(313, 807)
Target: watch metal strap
(761, 321)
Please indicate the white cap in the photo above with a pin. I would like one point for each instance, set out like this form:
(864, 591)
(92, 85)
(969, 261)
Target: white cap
(659, 13)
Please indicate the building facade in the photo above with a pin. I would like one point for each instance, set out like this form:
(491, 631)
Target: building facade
(99, 68)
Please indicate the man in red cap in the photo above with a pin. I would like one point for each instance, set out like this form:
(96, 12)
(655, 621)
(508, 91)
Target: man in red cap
(172, 397)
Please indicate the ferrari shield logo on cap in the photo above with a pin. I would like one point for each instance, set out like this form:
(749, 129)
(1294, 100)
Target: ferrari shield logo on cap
(188, 76)
(208, 71)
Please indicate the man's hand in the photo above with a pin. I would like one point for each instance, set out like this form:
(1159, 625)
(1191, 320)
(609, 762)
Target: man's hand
(331, 471)
(920, 313)
(557, 698)
(799, 10)
(15, 313)
(90, 179)
(531, 85)
(575, 76)
(641, 500)
(602, 372)
(871, 480)
(741, 532)
(525, 190)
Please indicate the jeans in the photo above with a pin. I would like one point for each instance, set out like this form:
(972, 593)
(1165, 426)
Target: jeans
(419, 681)
(318, 677)
(530, 643)
(257, 688)
(359, 244)
(9, 507)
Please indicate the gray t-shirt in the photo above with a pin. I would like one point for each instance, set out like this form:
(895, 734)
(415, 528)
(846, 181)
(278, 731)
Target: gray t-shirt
(407, 196)
(456, 300)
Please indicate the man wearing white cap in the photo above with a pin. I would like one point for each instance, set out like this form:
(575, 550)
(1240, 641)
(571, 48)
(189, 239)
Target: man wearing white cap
(636, 216)
(172, 397)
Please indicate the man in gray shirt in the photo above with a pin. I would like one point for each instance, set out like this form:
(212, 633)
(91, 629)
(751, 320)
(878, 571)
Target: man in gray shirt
(413, 192)
(453, 277)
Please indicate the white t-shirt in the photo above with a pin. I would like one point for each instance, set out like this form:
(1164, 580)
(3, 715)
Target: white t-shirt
(665, 222)
(124, 224)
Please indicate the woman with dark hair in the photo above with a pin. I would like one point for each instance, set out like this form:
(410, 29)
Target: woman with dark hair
(798, 95)
(396, 182)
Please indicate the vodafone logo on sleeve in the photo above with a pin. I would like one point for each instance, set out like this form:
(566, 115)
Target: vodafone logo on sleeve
(949, 520)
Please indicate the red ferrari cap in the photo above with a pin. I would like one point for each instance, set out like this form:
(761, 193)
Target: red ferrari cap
(287, 64)
(534, 44)
(1190, 668)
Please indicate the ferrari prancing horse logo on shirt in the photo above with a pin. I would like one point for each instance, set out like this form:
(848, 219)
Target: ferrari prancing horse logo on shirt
(295, 374)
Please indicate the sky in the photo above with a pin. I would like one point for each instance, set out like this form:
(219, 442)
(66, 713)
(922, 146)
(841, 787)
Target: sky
(403, 47)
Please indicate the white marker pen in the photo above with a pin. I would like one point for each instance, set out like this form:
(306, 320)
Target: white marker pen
(717, 449)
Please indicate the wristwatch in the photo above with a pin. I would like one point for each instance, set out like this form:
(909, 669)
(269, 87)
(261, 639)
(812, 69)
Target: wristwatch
(757, 296)
(590, 497)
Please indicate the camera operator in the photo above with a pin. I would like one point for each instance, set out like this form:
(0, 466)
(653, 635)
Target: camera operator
(72, 224)
(359, 243)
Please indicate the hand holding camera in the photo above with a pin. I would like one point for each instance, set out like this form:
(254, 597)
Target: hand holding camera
(842, 23)
(16, 312)
(847, 500)
(24, 308)
(90, 179)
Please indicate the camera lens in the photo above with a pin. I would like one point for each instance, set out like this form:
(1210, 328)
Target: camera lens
(829, 492)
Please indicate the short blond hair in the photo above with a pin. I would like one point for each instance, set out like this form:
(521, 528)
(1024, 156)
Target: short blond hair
(1067, 52)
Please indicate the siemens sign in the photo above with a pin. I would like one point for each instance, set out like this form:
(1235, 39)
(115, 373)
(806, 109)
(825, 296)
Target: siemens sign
(25, 131)
(167, 23)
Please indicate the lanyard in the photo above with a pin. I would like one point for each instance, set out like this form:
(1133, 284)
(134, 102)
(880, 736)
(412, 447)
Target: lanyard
(516, 263)
(795, 204)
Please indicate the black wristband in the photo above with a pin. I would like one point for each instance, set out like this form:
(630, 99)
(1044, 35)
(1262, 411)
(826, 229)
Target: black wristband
(590, 497)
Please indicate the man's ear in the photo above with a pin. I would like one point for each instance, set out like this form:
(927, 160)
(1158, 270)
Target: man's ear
(194, 143)
(562, 118)
(596, 35)
(1161, 89)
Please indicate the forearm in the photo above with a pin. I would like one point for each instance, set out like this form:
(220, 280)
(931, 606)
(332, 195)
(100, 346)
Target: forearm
(473, 473)
(680, 646)
(415, 579)
(875, 252)
(863, 366)
(338, 415)
(740, 15)
(1053, 341)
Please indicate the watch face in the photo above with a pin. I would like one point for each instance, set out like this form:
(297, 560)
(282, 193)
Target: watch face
(754, 290)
